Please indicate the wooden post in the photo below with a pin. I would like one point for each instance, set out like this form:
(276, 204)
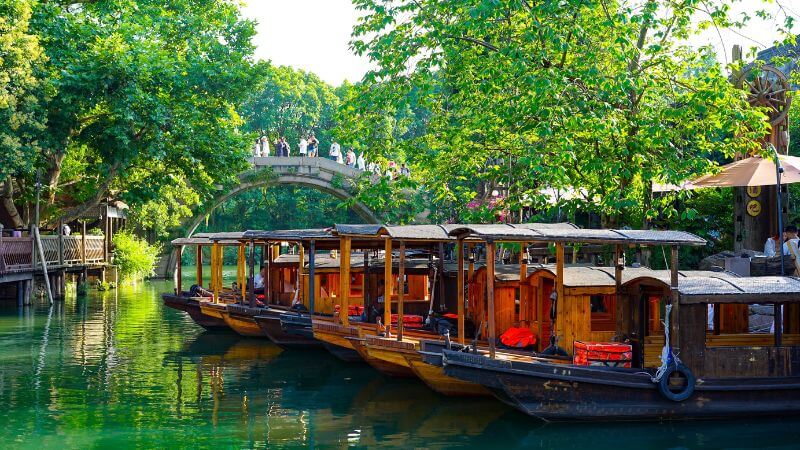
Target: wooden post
(365, 298)
(490, 254)
(312, 282)
(344, 280)
(401, 289)
(523, 276)
(199, 264)
(301, 264)
(387, 285)
(83, 242)
(251, 281)
(674, 297)
(105, 235)
(241, 270)
(2, 256)
(268, 275)
(215, 270)
(471, 267)
(441, 276)
(60, 243)
(21, 293)
(460, 288)
(558, 332)
(34, 255)
(621, 310)
(179, 272)
(38, 242)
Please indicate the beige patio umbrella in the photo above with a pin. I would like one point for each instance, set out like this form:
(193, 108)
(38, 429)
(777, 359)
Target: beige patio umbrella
(752, 171)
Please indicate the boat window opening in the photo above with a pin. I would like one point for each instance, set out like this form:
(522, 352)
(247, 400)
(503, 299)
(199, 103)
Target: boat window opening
(745, 325)
(602, 307)
(356, 284)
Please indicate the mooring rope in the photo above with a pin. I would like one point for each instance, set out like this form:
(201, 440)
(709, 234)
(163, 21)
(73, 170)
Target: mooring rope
(667, 357)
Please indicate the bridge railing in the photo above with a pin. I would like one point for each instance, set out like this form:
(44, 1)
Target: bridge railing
(16, 253)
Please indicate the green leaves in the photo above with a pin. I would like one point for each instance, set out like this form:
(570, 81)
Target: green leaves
(138, 94)
(596, 98)
(21, 115)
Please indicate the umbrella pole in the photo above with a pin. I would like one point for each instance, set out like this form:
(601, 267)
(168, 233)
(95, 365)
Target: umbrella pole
(778, 172)
(777, 316)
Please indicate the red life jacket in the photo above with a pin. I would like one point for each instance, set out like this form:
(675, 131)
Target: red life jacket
(518, 338)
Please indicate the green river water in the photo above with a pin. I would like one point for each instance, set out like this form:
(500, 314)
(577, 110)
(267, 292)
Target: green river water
(118, 370)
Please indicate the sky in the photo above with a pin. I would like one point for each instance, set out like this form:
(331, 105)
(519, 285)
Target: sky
(314, 35)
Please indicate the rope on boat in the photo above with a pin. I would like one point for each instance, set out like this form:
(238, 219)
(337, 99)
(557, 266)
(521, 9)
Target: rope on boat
(667, 357)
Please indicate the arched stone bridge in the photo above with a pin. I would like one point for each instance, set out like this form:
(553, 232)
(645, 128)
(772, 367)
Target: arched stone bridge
(319, 173)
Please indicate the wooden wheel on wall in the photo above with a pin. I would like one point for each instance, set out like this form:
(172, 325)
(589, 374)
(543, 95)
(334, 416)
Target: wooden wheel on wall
(768, 88)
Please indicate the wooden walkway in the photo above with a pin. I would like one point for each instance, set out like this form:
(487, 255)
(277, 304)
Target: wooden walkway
(20, 264)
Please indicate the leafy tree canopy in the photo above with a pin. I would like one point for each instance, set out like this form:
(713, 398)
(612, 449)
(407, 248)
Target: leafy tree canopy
(595, 97)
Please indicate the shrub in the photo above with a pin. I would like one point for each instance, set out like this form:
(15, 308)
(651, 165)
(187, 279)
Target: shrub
(135, 258)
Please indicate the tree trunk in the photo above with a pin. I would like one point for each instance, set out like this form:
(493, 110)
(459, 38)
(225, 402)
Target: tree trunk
(9, 206)
(54, 174)
(77, 212)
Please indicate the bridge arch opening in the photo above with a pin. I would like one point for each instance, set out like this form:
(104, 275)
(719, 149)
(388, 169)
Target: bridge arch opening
(288, 179)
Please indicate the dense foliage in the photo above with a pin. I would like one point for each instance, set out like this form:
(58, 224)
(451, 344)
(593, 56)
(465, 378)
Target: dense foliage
(596, 98)
(504, 110)
(141, 101)
(135, 258)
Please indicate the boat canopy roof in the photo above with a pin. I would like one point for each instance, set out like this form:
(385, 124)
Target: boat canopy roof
(577, 276)
(289, 235)
(570, 233)
(435, 233)
(209, 238)
(739, 290)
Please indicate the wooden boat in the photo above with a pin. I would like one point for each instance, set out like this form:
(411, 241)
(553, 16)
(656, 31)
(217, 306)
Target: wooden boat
(187, 301)
(250, 315)
(727, 376)
(399, 356)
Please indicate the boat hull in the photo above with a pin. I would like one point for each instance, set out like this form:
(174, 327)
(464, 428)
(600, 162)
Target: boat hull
(559, 392)
(429, 368)
(192, 308)
(270, 323)
(382, 366)
(334, 339)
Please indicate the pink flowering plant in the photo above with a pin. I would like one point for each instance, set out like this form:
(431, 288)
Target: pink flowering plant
(491, 210)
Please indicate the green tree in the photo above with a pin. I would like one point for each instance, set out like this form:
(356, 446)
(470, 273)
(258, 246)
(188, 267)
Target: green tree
(598, 97)
(21, 115)
(292, 103)
(143, 92)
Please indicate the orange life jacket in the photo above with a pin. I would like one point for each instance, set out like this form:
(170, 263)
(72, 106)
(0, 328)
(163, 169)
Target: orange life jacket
(518, 337)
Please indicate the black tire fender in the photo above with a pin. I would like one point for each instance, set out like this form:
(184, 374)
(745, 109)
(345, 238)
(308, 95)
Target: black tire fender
(663, 383)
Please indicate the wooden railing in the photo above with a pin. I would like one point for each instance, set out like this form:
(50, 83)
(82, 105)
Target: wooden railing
(16, 253)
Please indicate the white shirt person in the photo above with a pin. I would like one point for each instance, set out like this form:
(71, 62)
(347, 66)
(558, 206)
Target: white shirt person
(303, 147)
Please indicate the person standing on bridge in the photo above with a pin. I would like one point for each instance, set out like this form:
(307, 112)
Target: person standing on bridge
(360, 162)
(264, 146)
(335, 154)
(284, 147)
(303, 146)
(313, 146)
